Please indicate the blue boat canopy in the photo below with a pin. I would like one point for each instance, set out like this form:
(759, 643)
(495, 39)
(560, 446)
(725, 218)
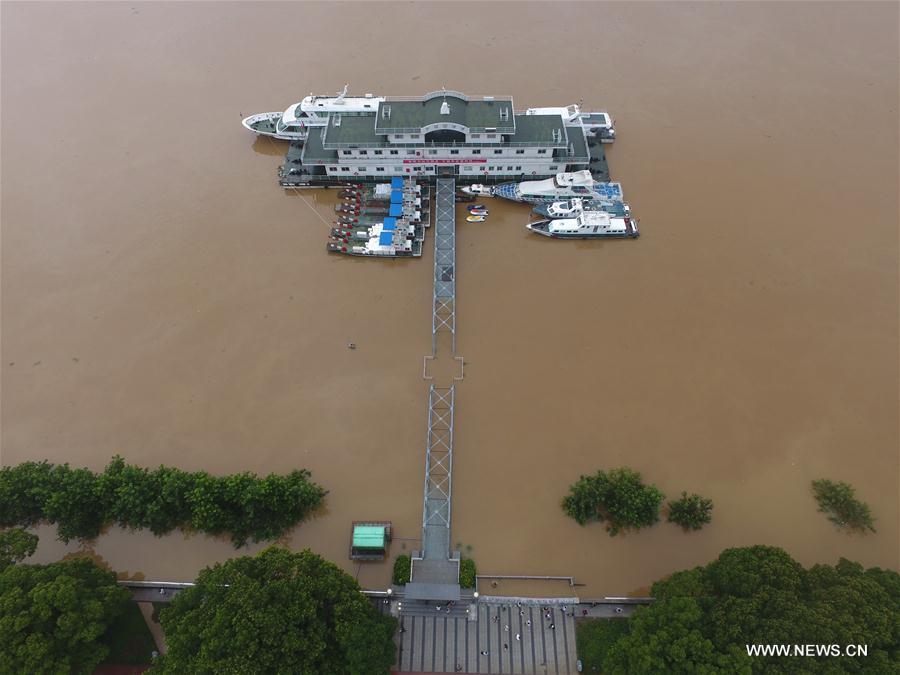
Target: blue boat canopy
(385, 238)
(396, 196)
(396, 210)
(390, 224)
(396, 182)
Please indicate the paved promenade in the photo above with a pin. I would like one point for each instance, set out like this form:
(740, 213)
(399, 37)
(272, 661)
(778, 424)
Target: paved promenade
(488, 637)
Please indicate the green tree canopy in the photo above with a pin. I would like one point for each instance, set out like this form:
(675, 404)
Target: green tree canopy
(277, 612)
(467, 573)
(402, 570)
(52, 617)
(16, 545)
(618, 497)
(839, 503)
(82, 503)
(702, 618)
(690, 511)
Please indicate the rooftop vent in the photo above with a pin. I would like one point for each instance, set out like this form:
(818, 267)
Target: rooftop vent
(445, 108)
(504, 114)
(336, 121)
(385, 112)
(557, 135)
(489, 99)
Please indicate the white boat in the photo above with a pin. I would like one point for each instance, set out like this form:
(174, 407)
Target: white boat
(588, 225)
(478, 190)
(570, 208)
(313, 111)
(475, 219)
(597, 124)
(561, 186)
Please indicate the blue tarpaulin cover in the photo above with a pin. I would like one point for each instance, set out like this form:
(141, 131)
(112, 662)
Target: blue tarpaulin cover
(385, 238)
(390, 224)
(396, 209)
(396, 182)
(396, 196)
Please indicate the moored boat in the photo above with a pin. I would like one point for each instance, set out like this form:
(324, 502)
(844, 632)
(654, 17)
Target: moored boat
(561, 186)
(477, 190)
(587, 225)
(474, 219)
(313, 111)
(571, 208)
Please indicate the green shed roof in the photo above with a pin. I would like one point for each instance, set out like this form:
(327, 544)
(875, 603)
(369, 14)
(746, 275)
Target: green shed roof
(368, 536)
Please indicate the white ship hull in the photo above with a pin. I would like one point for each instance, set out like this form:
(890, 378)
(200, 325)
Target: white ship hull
(265, 124)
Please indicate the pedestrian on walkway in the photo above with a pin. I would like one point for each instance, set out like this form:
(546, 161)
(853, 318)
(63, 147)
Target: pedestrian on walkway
(553, 626)
(506, 628)
(518, 637)
(528, 623)
(484, 652)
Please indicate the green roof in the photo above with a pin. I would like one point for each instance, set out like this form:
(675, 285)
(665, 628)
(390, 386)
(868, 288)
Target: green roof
(478, 115)
(352, 129)
(368, 536)
(313, 151)
(538, 129)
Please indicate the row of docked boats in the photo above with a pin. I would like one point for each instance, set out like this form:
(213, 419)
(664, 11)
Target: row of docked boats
(384, 220)
(580, 219)
(571, 205)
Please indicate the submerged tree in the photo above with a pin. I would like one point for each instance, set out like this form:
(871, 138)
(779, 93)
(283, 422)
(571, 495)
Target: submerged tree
(839, 503)
(691, 512)
(81, 502)
(618, 497)
(276, 612)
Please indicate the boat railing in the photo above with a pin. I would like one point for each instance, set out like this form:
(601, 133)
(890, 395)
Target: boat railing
(449, 92)
(383, 128)
(428, 144)
(394, 159)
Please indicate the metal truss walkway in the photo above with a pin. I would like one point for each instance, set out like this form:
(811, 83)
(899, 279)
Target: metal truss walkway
(435, 572)
(444, 304)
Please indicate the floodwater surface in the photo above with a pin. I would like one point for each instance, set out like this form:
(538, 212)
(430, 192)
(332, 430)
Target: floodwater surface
(163, 299)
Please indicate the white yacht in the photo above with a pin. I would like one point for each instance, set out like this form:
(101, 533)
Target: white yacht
(313, 111)
(587, 225)
(570, 208)
(561, 186)
(595, 124)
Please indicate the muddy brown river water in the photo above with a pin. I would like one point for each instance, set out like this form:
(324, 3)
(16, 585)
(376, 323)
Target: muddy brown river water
(164, 299)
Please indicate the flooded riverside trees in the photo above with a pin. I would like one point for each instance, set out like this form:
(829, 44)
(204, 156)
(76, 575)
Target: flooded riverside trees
(618, 498)
(81, 503)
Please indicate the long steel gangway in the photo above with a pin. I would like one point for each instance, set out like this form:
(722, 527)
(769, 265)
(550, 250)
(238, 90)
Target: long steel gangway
(435, 569)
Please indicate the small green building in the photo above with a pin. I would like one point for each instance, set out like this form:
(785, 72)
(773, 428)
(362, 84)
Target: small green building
(370, 540)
